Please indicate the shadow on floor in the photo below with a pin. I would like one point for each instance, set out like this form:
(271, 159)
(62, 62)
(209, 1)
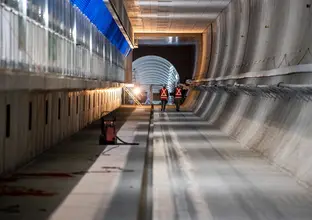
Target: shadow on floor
(126, 200)
(35, 191)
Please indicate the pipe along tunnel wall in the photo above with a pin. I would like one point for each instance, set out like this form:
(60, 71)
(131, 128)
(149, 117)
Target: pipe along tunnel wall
(255, 36)
(35, 121)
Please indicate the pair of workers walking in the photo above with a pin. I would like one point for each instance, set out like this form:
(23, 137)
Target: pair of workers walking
(164, 96)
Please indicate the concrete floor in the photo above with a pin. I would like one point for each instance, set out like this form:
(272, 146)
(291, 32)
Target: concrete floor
(200, 173)
(79, 179)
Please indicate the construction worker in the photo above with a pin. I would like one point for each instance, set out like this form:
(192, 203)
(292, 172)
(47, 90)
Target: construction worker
(178, 97)
(163, 97)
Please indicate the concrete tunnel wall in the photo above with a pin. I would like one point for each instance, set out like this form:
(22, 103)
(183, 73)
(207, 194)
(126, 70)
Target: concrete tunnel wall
(255, 36)
(68, 112)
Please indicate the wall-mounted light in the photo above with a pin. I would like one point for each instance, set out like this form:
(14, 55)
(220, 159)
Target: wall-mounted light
(136, 91)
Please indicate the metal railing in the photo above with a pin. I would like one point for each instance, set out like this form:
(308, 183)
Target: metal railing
(29, 46)
(130, 93)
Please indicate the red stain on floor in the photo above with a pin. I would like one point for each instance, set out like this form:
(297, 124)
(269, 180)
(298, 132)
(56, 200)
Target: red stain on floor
(22, 191)
(61, 175)
(18, 176)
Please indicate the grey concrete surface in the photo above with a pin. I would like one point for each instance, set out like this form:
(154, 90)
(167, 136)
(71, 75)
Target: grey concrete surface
(277, 128)
(79, 179)
(249, 39)
(256, 35)
(53, 116)
(13, 80)
(201, 172)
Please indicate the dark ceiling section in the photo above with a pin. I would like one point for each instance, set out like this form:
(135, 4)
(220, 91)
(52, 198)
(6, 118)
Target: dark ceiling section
(182, 57)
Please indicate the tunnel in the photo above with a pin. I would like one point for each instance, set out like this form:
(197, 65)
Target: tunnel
(151, 73)
(155, 70)
(238, 149)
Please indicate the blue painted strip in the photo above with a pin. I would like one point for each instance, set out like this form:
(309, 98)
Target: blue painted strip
(100, 16)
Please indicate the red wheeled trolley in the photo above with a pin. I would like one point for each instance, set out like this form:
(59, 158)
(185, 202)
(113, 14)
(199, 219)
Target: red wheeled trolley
(108, 132)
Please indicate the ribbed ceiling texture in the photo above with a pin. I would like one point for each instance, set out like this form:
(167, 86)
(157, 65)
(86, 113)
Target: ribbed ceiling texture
(154, 70)
(173, 16)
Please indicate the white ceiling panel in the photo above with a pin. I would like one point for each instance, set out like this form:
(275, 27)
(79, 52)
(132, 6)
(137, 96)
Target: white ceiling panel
(173, 16)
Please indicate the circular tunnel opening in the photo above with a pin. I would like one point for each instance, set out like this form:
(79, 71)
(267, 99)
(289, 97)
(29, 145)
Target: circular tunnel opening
(155, 71)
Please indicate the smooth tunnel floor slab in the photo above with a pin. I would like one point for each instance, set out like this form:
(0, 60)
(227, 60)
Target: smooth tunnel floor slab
(200, 173)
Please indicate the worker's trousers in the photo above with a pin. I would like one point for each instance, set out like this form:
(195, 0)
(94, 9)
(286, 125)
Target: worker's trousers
(163, 105)
(177, 104)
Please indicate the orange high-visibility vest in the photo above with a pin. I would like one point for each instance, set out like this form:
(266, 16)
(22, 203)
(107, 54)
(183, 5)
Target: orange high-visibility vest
(178, 93)
(163, 94)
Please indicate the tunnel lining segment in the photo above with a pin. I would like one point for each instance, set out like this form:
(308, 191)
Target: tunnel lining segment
(304, 68)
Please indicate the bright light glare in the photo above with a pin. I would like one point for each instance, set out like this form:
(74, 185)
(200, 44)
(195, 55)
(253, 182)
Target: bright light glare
(137, 91)
(170, 39)
(46, 17)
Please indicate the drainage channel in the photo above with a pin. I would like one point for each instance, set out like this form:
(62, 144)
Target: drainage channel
(145, 211)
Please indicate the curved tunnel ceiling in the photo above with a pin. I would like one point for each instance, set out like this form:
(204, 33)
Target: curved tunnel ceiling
(173, 16)
(155, 70)
(181, 57)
